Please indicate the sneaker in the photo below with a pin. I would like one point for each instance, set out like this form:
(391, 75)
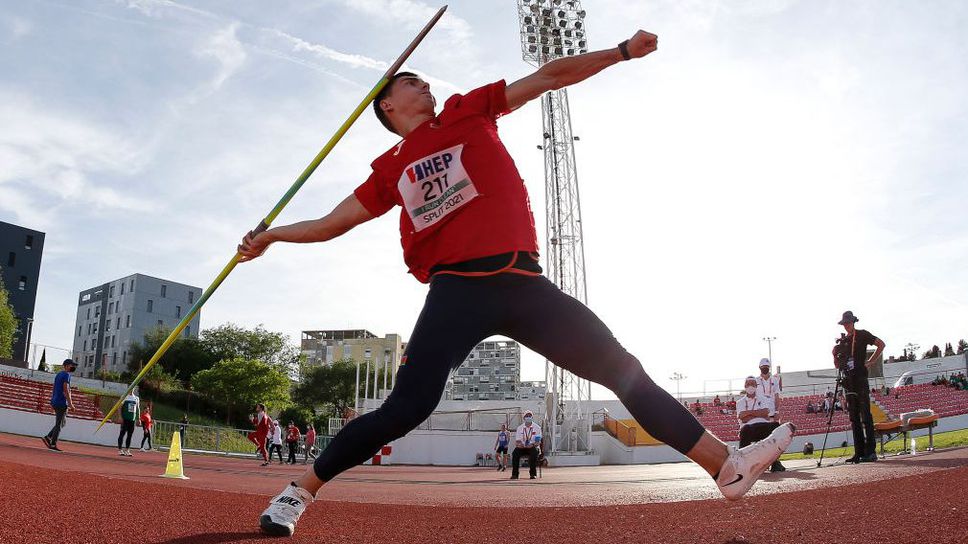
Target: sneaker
(854, 459)
(280, 518)
(55, 448)
(777, 467)
(868, 458)
(48, 443)
(121, 453)
(744, 466)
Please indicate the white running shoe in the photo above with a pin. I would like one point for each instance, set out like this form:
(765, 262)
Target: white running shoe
(127, 452)
(280, 518)
(121, 453)
(744, 466)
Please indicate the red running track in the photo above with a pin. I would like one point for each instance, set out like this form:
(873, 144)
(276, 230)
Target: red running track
(109, 499)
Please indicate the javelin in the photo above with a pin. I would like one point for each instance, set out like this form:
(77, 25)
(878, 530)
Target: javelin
(264, 224)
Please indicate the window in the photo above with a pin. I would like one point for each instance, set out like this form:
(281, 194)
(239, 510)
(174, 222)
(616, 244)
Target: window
(164, 290)
(177, 311)
(132, 286)
(89, 312)
(122, 287)
(107, 325)
(79, 330)
(188, 331)
(124, 358)
(160, 324)
(11, 259)
(85, 346)
(118, 324)
(111, 291)
(94, 329)
(113, 338)
(23, 283)
(191, 297)
(110, 307)
(97, 311)
(88, 328)
(151, 305)
(29, 242)
(127, 321)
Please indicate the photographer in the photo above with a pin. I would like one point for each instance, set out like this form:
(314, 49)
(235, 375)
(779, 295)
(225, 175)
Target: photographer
(850, 356)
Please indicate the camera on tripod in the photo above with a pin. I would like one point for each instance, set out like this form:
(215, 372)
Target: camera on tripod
(842, 352)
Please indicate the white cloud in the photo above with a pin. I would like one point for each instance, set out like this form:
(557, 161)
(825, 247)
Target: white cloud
(356, 61)
(49, 158)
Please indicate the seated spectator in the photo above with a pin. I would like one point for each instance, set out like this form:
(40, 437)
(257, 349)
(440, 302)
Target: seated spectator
(717, 401)
(810, 407)
(731, 404)
(698, 408)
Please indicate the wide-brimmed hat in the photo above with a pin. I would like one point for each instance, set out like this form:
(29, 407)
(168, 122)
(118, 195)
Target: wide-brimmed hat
(848, 317)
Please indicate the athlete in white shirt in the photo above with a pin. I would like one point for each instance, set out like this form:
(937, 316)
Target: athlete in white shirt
(527, 441)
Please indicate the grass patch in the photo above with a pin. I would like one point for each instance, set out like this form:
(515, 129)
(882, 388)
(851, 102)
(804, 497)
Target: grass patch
(948, 439)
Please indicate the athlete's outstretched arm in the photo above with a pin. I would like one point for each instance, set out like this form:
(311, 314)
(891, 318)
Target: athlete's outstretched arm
(348, 214)
(570, 70)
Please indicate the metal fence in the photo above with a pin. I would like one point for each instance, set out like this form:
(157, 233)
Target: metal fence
(208, 439)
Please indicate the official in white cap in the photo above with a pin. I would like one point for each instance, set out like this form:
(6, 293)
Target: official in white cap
(768, 386)
(527, 440)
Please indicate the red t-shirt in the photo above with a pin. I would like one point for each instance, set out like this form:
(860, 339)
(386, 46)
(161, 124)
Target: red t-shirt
(146, 421)
(293, 435)
(461, 195)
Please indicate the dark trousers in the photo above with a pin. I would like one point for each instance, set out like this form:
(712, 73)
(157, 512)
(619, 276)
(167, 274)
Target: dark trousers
(460, 312)
(127, 429)
(755, 432)
(859, 410)
(532, 454)
(278, 450)
(60, 419)
(146, 436)
(293, 446)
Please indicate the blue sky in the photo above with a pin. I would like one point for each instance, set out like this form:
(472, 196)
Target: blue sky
(772, 165)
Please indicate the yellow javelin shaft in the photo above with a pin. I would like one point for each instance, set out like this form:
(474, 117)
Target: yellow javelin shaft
(264, 224)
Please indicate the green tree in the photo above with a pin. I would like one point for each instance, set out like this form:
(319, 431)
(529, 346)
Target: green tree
(297, 414)
(331, 387)
(242, 383)
(229, 341)
(8, 324)
(962, 346)
(184, 358)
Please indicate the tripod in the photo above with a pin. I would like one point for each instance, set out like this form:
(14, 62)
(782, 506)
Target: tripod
(830, 416)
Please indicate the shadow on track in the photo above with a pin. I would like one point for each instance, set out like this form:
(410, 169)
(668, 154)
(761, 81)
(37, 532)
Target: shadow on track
(217, 538)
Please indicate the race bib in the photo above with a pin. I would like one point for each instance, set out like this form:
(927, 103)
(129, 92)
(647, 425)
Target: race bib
(435, 187)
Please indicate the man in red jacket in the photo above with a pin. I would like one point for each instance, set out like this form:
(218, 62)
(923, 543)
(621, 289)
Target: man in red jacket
(258, 437)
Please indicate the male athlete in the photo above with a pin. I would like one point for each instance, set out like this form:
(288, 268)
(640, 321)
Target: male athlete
(467, 230)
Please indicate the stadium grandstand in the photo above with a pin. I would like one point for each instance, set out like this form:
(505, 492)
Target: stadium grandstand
(28, 395)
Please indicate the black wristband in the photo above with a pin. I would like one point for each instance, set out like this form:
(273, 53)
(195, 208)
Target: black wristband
(624, 49)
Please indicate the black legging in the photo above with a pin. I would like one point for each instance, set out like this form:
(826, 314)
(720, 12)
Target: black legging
(146, 437)
(127, 429)
(460, 312)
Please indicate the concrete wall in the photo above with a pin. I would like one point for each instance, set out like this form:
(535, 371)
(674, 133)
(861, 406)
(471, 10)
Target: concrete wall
(75, 430)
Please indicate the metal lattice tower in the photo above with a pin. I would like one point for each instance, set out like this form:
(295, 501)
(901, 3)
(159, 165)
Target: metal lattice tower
(552, 29)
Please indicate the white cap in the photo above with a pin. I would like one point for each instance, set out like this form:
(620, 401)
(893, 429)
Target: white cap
(765, 362)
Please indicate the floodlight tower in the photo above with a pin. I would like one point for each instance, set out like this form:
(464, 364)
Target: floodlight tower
(552, 29)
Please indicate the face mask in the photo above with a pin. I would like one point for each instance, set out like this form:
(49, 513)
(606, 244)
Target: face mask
(527, 420)
(765, 371)
(751, 390)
